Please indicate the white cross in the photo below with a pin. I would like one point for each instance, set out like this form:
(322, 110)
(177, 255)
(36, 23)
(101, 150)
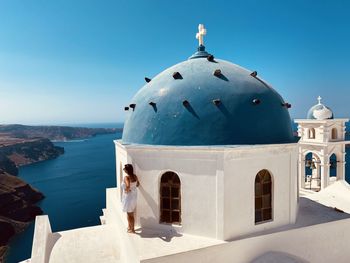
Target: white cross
(319, 99)
(201, 32)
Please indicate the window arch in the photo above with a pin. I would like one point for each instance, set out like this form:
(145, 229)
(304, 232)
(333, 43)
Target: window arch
(334, 134)
(333, 165)
(170, 198)
(263, 196)
(311, 134)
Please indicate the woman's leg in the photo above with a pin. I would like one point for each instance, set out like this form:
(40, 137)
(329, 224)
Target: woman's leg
(129, 216)
(131, 222)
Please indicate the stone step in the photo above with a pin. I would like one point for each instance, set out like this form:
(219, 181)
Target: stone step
(102, 220)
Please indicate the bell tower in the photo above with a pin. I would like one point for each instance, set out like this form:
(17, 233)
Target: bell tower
(321, 148)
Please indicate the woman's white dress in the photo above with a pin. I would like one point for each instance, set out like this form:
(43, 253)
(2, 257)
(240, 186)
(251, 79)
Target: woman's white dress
(129, 199)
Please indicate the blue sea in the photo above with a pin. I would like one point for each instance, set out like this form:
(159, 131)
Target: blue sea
(74, 185)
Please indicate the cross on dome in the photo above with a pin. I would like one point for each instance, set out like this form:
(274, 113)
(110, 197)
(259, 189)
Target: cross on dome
(319, 99)
(201, 33)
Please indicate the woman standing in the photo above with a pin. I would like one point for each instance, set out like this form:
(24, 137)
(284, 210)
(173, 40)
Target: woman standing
(129, 199)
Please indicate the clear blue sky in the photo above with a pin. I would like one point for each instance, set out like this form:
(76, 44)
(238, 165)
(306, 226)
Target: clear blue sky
(82, 61)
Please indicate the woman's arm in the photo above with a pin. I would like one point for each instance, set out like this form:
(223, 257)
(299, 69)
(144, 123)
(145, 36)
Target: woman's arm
(127, 184)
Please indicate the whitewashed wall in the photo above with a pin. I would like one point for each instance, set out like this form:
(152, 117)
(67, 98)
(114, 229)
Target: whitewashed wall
(241, 168)
(323, 146)
(217, 185)
(323, 129)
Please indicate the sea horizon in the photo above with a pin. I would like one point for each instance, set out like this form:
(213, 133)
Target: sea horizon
(73, 124)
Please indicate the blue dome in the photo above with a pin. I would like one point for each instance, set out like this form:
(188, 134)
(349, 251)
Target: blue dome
(320, 112)
(189, 104)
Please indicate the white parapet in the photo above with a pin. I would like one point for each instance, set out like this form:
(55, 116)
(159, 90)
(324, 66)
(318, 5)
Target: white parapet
(115, 217)
(321, 243)
(41, 247)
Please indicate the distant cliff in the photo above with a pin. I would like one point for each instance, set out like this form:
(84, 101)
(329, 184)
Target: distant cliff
(55, 133)
(26, 151)
(17, 207)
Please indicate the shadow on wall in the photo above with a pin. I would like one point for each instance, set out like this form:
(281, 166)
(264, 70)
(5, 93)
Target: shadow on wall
(166, 234)
(277, 257)
(51, 243)
(150, 201)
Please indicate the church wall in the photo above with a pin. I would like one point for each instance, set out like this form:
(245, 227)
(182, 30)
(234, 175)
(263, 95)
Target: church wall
(121, 160)
(320, 133)
(339, 125)
(197, 173)
(241, 168)
(217, 186)
(323, 129)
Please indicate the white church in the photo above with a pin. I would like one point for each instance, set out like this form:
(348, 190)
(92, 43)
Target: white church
(223, 177)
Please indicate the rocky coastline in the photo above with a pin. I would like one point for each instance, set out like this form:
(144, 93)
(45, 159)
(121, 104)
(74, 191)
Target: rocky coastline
(22, 145)
(18, 198)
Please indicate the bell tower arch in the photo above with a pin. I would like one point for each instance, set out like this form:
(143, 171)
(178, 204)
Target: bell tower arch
(323, 138)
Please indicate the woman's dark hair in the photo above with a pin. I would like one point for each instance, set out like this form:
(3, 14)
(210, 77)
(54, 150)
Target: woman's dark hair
(130, 171)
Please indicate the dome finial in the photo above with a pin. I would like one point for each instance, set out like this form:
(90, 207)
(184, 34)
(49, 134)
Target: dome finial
(201, 53)
(319, 99)
(201, 33)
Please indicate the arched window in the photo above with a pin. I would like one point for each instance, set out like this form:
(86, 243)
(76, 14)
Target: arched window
(170, 198)
(311, 133)
(334, 134)
(263, 196)
(333, 165)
